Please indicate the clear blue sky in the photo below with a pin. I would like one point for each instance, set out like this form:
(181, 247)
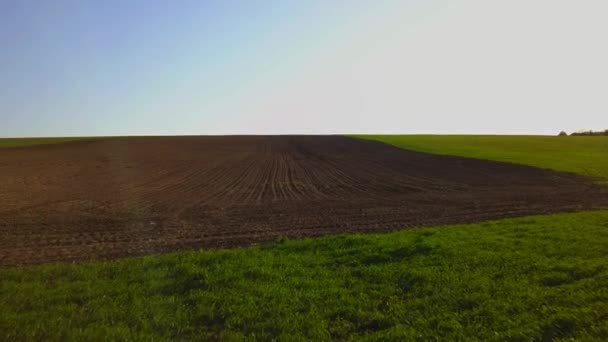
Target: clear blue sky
(116, 67)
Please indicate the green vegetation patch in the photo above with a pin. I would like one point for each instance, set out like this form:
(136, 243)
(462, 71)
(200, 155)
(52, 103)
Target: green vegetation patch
(540, 277)
(578, 154)
(22, 142)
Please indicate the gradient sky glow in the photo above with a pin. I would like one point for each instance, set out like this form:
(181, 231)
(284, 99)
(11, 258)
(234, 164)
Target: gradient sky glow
(116, 67)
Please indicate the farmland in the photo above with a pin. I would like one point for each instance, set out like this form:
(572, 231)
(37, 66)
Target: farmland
(117, 197)
(530, 278)
(24, 142)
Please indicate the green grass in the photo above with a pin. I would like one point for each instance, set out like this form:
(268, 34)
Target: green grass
(522, 279)
(532, 278)
(22, 142)
(584, 155)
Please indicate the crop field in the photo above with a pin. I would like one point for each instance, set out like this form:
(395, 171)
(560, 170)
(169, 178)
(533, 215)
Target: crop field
(115, 197)
(23, 142)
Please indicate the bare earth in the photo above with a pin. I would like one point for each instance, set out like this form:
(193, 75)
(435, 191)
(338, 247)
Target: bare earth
(116, 197)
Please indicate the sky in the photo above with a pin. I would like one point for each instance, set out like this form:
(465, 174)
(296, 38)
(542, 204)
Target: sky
(152, 67)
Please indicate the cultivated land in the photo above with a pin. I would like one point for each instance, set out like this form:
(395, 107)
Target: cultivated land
(116, 197)
(23, 142)
(533, 278)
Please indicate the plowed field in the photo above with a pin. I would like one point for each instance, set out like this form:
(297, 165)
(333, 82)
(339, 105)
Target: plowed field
(115, 197)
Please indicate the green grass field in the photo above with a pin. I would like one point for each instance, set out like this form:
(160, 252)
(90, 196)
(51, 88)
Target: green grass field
(519, 279)
(532, 278)
(22, 142)
(584, 155)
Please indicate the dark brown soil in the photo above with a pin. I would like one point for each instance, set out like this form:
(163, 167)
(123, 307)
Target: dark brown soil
(116, 197)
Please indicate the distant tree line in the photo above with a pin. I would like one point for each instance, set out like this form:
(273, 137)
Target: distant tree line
(585, 133)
